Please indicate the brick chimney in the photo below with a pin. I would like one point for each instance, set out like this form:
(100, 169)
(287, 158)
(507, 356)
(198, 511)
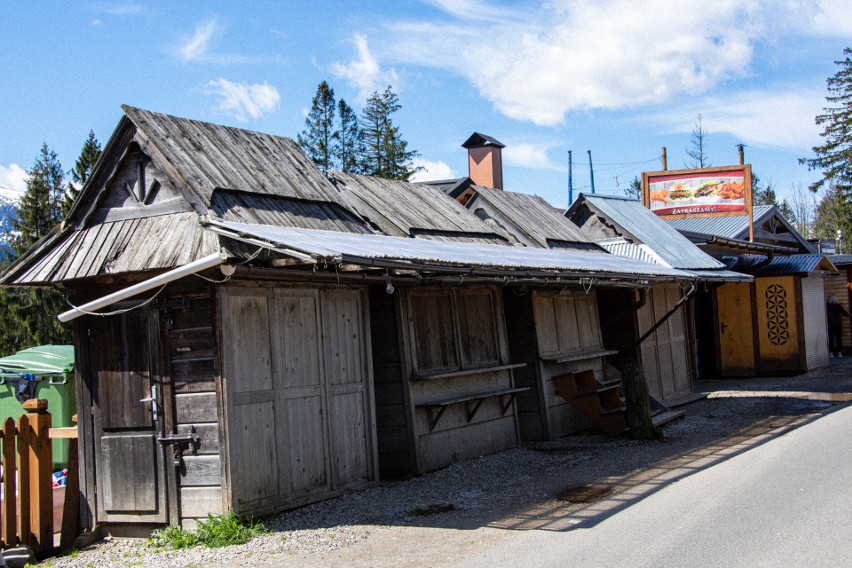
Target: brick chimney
(485, 160)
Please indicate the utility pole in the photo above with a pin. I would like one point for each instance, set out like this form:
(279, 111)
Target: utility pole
(591, 171)
(665, 160)
(570, 180)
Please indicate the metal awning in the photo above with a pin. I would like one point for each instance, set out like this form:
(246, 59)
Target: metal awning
(361, 251)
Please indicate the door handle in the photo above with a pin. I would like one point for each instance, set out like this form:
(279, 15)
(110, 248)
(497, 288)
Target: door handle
(155, 409)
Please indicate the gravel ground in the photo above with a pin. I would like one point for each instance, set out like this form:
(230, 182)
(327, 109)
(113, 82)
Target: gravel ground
(439, 518)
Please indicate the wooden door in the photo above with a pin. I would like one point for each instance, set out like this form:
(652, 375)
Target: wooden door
(300, 395)
(735, 329)
(347, 386)
(665, 355)
(778, 325)
(129, 461)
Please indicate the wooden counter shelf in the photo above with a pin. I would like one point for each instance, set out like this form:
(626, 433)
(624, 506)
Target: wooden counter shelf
(471, 402)
(577, 355)
(465, 373)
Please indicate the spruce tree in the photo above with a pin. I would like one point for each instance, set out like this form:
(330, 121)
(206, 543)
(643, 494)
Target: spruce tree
(31, 312)
(698, 147)
(82, 170)
(348, 148)
(834, 157)
(386, 153)
(319, 133)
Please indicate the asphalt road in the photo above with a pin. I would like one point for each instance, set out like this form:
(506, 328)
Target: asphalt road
(787, 502)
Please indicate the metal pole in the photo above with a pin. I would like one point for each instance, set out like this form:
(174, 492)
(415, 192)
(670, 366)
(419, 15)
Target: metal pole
(570, 179)
(591, 171)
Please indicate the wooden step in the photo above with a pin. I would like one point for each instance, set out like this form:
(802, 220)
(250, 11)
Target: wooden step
(666, 417)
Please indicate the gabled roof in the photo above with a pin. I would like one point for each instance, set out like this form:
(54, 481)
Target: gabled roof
(537, 220)
(452, 187)
(737, 227)
(478, 140)
(206, 157)
(402, 209)
(637, 223)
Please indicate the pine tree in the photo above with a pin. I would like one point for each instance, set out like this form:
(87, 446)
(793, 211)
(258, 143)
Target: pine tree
(317, 137)
(31, 313)
(82, 170)
(386, 153)
(834, 157)
(348, 148)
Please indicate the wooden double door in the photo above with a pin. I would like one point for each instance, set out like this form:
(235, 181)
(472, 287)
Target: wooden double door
(299, 404)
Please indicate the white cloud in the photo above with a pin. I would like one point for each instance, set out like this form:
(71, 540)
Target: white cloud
(365, 73)
(528, 155)
(539, 64)
(196, 48)
(13, 177)
(833, 18)
(770, 118)
(432, 170)
(243, 100)
(117, 9)
(96, 22)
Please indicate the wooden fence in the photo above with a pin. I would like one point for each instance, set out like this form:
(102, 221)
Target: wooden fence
(27, 508)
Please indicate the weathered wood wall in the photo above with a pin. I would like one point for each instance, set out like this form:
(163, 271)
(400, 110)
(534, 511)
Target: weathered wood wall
(665, 353)
(569, 340)
(456, 350)
(188, 323)
(298, 390)
(523, 348)
(393, 419)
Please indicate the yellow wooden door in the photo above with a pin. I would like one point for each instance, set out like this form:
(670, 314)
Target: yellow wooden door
(736, 339)
(777, 323)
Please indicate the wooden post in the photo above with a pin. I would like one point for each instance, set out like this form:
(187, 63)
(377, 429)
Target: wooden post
(35, 447)
(10, 517)
(638, 412)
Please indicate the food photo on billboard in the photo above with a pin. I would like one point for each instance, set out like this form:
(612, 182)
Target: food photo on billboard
(702, 192)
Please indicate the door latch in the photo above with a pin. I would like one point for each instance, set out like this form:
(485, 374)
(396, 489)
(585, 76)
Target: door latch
(155, 408)
(191, 439)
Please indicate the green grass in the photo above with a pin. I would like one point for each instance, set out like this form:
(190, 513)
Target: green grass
(213, 532)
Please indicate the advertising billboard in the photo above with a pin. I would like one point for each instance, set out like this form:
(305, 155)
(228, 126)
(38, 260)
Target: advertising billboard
(706, 192)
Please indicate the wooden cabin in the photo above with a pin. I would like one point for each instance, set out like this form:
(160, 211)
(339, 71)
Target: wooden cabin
(838, 284)
(670, 355)
(561, 333)
(251, 337)
(777, 324)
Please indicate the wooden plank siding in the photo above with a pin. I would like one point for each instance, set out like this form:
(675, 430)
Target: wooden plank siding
(456, 346)
(569, 340)
(838, 284)
(665, 353)
(188, 323)
(394, 434)
(299, 405)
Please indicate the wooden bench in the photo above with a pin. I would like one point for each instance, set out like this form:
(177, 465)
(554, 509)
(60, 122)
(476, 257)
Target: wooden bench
(471, 402)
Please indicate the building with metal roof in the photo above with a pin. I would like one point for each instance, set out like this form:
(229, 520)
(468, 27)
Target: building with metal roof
(770, 227)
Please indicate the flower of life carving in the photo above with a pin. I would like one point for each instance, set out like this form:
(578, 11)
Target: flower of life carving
(776, 314)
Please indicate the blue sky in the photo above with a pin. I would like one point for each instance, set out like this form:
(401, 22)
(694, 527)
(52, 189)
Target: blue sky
(621, 78)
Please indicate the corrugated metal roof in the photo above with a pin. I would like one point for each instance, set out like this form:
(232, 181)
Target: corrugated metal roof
(405, 209)
(350, 248)
(735, 227)
(625, 248)
(209, 156)
(784, 265)
(840, 259)
(643, 226)
(532, 215)
(131, 245)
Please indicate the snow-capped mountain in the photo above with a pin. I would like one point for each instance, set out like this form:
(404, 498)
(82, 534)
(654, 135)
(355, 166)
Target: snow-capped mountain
(9, 200)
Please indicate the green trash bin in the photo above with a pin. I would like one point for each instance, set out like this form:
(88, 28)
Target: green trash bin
(46, 371)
